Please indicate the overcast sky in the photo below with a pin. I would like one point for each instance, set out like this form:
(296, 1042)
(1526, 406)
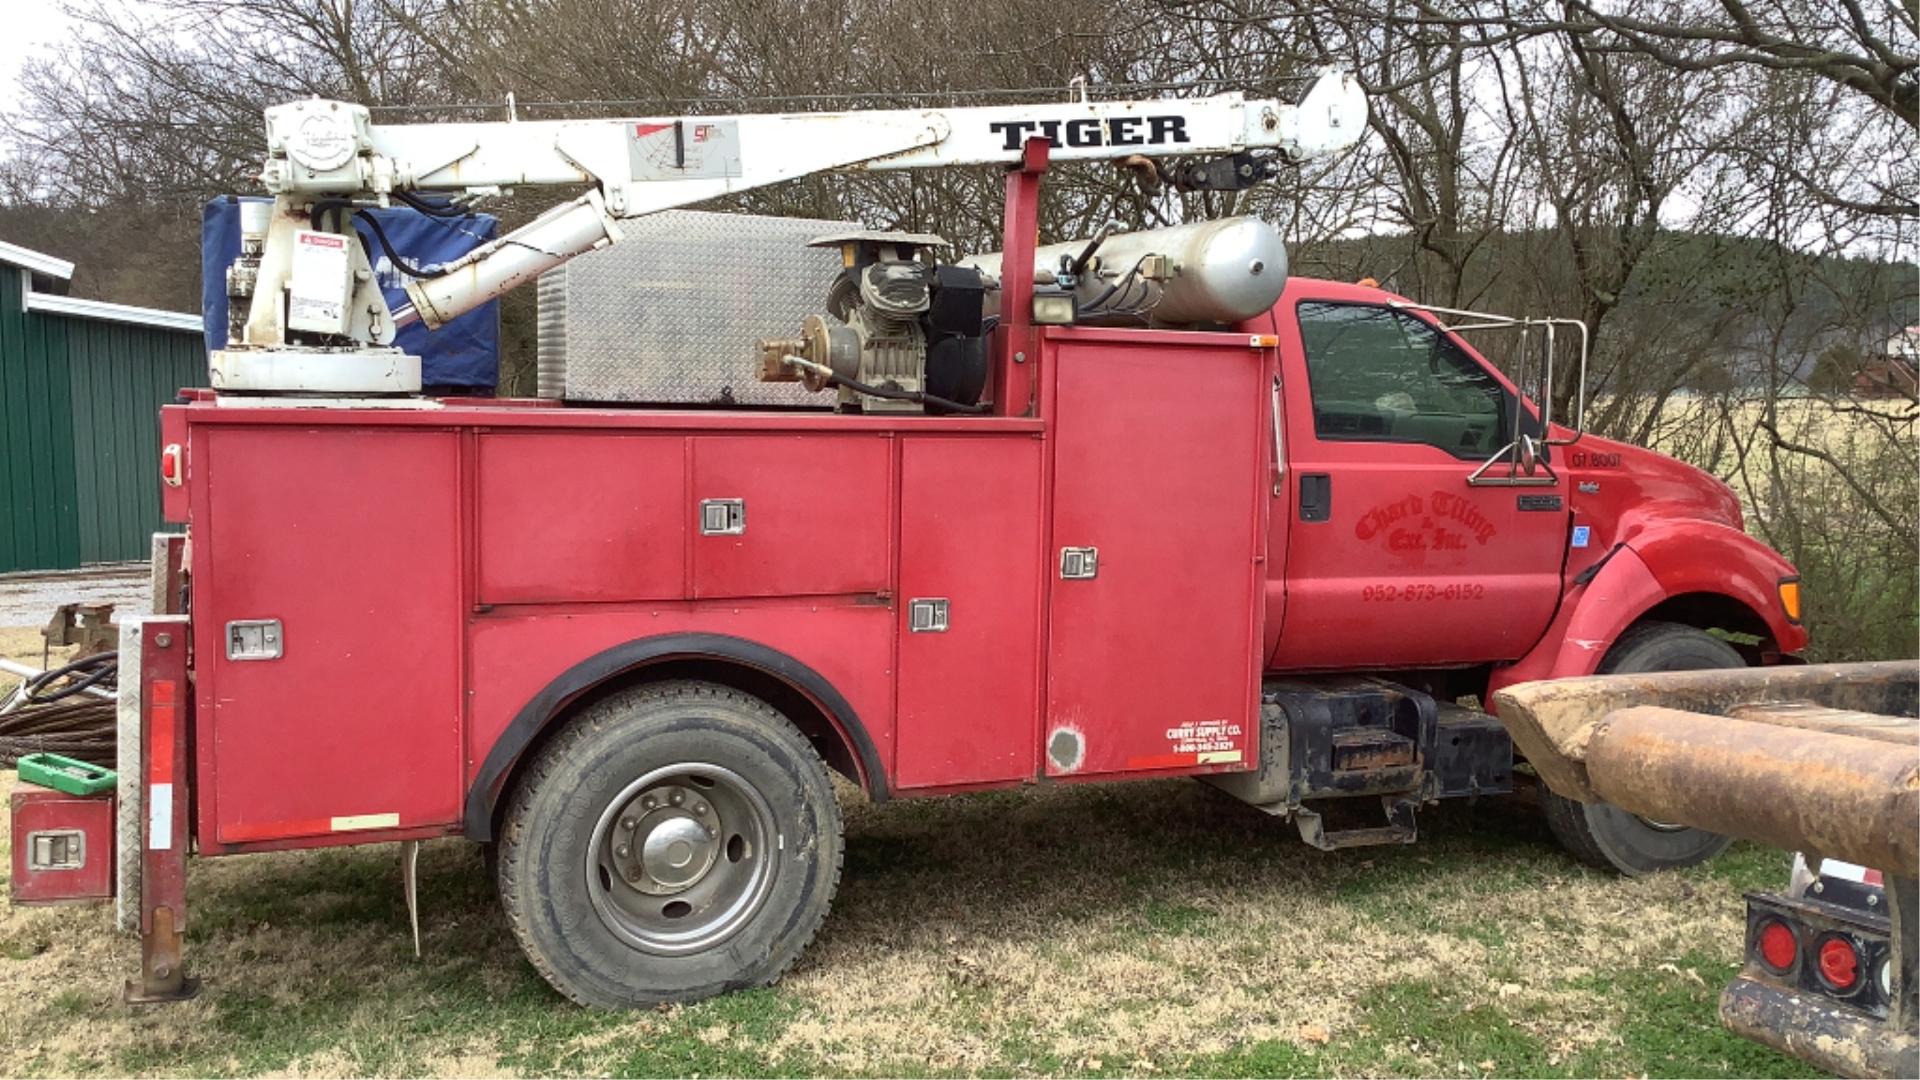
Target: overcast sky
(31, 27)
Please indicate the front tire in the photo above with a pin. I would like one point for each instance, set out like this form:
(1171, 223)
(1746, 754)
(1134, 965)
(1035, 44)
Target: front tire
(1611, 838)
(674, 841)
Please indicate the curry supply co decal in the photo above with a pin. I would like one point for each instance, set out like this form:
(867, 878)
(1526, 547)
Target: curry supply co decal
(1198, 742)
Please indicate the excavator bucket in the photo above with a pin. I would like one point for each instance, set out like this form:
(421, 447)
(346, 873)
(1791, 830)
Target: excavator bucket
(1823, 760)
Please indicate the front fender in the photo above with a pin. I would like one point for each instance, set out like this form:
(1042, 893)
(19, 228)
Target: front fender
(1660, 562)
(1688, 557)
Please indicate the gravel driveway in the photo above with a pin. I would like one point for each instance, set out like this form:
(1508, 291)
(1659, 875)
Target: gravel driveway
(29, 599)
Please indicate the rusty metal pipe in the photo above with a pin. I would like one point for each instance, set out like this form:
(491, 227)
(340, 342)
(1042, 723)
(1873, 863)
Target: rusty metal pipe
(1831, 1037)
(1847, 798)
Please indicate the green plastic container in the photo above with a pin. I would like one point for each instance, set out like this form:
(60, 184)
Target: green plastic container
(66, 774)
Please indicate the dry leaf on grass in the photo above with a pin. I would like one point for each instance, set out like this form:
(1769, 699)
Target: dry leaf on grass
(1687, 973)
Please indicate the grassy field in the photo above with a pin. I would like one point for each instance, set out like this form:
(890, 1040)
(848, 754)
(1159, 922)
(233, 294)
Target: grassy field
(1134, 929)
(1156, 927)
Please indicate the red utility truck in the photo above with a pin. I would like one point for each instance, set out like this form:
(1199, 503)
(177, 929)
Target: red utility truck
(1053, 533)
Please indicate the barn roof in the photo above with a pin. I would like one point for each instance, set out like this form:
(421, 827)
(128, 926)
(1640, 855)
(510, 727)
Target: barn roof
(51, 266)
(39, 263)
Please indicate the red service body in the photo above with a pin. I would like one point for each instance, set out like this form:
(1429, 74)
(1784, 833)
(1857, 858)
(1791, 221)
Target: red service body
(445, 580)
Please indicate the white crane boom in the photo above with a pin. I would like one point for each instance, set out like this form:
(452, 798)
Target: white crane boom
(308, 277)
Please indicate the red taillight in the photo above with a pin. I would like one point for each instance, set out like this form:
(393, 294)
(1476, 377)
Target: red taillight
(1839, 963)
(1778, 947)
(170, 470)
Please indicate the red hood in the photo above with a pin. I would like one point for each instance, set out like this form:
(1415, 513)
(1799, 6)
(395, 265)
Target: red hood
(1619, 488)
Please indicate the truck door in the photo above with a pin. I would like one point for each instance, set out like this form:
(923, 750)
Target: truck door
(1157, 557)
(1393, 560)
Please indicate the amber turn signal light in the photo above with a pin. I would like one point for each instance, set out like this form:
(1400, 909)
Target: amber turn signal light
(1790, 598)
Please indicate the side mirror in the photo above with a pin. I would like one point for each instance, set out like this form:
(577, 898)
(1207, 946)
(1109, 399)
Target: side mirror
(1529, 455)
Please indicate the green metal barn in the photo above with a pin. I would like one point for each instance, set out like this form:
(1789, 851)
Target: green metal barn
(81, 383)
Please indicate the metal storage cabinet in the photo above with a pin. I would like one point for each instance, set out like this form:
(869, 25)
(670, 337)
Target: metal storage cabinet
(672, 315)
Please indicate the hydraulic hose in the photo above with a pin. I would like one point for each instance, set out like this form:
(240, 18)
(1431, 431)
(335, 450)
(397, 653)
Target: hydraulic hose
(393, 256)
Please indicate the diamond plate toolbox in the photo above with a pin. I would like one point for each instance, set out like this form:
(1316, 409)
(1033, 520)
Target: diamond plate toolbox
(671, 315)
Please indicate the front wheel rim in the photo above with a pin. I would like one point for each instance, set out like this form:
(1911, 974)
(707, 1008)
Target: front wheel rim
(682, 858)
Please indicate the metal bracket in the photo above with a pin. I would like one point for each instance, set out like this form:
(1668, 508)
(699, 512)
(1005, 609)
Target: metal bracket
(165, 709)
(410, 887)
(723, 517)
(1399, 829)
(1079, 563)
(1521, 453)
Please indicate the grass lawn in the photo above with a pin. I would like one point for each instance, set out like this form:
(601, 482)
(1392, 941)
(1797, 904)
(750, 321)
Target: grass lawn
(1155, 927)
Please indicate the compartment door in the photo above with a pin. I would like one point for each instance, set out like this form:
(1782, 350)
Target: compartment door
(582, 516)
(1156, 565)
(970, 562)
(791, 515)
(343, 544)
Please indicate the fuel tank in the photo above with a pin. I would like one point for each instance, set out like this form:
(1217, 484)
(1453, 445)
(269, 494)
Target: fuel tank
(1215, 272)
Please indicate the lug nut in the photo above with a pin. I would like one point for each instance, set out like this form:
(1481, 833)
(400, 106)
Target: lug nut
(628, 823)
(699, 808)
(623, 851)
(676, 798)
(647, 802)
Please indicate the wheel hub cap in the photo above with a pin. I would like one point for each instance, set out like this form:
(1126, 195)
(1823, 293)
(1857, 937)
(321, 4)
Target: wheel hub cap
(679, 860)
(676, 850)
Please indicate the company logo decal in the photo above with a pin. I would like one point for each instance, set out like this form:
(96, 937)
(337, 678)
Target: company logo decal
(1088, 131)
(1414, 525)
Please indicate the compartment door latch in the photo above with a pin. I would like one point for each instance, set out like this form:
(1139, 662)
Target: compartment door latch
(723, 517)
(1079, 563)
(255, 639)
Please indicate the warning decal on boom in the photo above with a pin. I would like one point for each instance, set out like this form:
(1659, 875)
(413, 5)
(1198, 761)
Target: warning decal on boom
(683, 149)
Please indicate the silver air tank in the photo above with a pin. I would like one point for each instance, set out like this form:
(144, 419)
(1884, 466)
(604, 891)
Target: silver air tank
(1213, 271)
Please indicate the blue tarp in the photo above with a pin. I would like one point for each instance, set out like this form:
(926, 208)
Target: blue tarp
(463, 354)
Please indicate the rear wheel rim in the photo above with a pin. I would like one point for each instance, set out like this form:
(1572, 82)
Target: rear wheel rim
(681, 859)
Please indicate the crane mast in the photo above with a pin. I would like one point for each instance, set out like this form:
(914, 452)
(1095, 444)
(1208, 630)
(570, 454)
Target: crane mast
(309, 316)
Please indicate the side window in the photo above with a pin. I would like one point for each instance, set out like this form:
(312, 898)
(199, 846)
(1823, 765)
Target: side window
(1380, 375)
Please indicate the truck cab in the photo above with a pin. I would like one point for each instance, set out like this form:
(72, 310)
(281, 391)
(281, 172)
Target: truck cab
(1433, 532)
(1383, 515)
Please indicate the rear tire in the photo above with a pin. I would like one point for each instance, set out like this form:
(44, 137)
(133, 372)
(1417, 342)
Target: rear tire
(673, 842)
(1611, 838)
